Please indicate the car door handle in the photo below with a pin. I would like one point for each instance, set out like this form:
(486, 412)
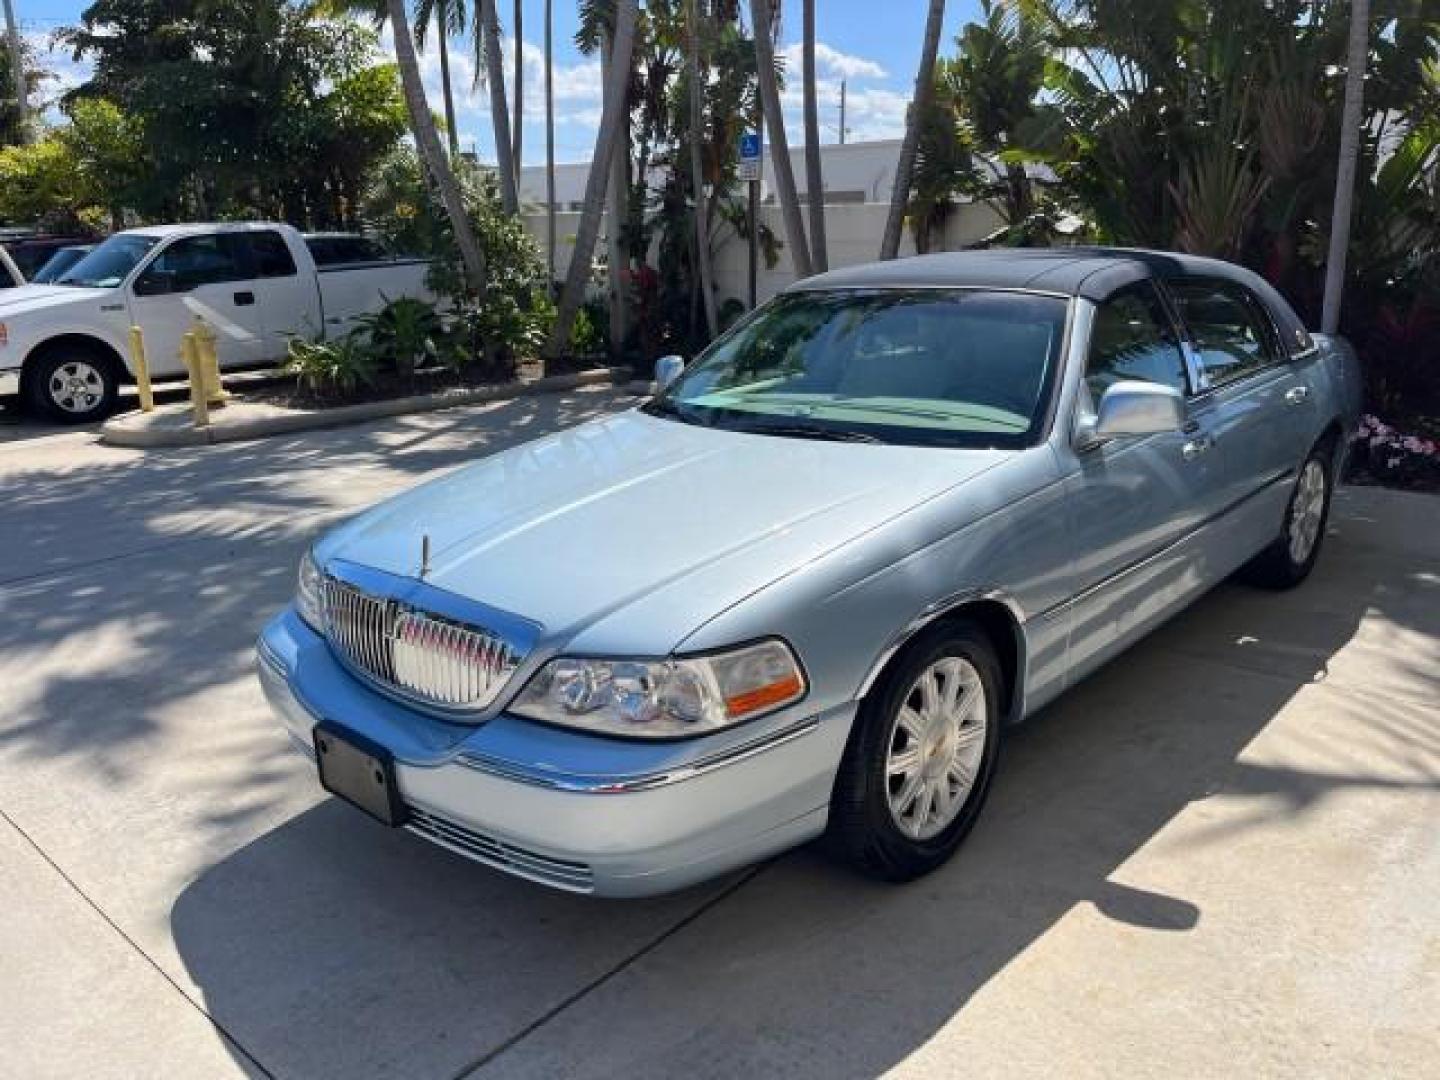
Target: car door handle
(244, 299)
(1197, 446)
(1297, 395)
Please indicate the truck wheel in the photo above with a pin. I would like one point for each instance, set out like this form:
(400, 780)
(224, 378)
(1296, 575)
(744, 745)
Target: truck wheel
(72, 384)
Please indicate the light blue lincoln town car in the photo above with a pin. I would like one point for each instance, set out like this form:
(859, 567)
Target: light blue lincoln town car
(803, 589)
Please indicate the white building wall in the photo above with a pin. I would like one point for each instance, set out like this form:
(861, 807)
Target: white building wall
(853, 233)
(854, 173)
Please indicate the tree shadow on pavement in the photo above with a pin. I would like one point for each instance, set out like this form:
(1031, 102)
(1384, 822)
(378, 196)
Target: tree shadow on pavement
(330, 947)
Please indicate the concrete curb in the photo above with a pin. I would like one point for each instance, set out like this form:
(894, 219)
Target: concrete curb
(169, 425)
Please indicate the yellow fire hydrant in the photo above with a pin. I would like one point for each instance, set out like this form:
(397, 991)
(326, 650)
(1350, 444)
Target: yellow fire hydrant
(209, 364)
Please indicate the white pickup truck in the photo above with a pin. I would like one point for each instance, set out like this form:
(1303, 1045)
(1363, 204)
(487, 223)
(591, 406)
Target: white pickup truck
(64, 347)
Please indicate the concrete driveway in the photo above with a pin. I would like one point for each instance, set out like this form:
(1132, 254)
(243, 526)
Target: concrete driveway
(1219, 856)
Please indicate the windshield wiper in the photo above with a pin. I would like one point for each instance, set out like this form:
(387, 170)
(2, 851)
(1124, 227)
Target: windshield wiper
(811, 431)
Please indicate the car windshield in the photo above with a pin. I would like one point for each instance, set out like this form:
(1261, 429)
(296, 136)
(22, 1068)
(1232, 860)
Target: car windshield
(946, 367)
(108, 265)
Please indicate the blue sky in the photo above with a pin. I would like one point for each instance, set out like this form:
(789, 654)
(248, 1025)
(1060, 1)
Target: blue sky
(872, 44)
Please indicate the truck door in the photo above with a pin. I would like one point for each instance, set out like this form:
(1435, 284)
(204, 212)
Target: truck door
(207, 277)
(287, 297)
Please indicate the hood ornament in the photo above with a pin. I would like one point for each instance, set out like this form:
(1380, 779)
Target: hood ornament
(424, 555)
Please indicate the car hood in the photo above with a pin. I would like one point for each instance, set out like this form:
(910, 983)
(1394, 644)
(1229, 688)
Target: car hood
(643, 526)
(28, 298)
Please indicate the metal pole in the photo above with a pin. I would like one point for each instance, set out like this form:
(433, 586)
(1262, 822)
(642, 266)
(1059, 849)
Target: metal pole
(842, 112)
(754, 237)
(17, 64)
(1345, 173)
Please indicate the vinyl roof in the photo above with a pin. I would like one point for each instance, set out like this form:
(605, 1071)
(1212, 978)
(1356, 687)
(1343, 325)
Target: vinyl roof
(1091, 272)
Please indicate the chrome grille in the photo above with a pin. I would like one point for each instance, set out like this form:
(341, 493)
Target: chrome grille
(422, 655)
(461, 839)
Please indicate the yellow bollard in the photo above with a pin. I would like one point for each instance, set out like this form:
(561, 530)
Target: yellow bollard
(142, 370)
(215, 393)
(199, 405)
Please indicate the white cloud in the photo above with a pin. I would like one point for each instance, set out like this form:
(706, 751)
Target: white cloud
(832, 62)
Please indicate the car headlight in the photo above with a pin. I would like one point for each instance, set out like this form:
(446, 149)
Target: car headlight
(307, 594)
(664, 699)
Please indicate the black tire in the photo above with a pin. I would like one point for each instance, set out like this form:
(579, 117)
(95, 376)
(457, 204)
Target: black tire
(863, 829)
(1278, 567)
(71, 384)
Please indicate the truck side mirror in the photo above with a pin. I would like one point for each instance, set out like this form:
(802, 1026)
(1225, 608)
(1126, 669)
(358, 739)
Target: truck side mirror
(156, 283)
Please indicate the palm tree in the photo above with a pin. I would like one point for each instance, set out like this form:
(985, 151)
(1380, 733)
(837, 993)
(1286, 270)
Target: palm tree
(427, 145)
(494, 65)
(607, 143)
(697, 169)
(449, 18)
(814, 178)
(924, 89)
(550, 143)
(518, 34)
(762, 15)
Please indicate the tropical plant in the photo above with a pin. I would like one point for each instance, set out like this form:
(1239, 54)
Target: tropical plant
(814, 174)
(607, 141)
(919, 106)
(406, 333)
(329, 368)
(762, 17)
(491, 66)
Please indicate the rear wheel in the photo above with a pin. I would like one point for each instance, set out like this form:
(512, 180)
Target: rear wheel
(918, 766)
(1292, 555)
(72, 384)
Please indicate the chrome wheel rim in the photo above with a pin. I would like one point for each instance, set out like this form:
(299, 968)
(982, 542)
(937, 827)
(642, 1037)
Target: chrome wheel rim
(1306, 511)
(77, 386)
(936, 747)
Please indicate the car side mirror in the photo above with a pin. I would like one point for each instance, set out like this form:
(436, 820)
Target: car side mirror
(1133, 408)
(667, 370)
(157, 283)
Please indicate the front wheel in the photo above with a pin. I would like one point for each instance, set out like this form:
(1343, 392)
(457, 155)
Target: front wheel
(918, 766)
(1292, 555)
(72, 385)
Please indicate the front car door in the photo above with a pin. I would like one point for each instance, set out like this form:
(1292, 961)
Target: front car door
(1135, 502)
(205, 277)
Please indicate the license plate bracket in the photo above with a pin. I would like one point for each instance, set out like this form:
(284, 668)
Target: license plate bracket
(359, 771)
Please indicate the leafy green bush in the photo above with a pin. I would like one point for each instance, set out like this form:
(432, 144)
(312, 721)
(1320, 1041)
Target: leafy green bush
(515, 313)
(590, 334)
(406, 332)
(331, 367)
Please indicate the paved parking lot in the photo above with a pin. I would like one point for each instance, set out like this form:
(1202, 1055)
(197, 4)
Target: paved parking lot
(1220, 856)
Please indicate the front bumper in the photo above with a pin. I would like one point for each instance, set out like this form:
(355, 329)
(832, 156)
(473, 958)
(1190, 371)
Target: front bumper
(574, 811)
(9, 382)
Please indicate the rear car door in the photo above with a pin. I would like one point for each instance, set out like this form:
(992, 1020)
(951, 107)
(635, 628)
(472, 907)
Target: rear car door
(1135, 501)
(288, 302)
(1259, 401)
(205, 277)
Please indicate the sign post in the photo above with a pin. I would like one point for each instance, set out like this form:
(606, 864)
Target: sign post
(750, 157)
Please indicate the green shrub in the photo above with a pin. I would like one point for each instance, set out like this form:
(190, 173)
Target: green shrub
(406, 332)
(331, 367)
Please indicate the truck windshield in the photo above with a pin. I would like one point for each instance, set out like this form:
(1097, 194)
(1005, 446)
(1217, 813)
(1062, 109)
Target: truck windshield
(107, 266)
(922, 367)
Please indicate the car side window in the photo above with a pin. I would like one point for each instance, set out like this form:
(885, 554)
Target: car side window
(195, 261)
(1232, 333)
(271, 255)
(1132, 337)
